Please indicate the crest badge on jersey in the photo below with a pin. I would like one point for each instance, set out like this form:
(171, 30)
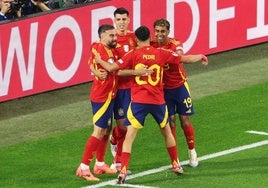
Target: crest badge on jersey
(126, 48)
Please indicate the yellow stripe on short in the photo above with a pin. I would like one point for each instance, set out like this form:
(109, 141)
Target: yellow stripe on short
(164, 122)
(187, 87)
(103, 109)
(134, 122)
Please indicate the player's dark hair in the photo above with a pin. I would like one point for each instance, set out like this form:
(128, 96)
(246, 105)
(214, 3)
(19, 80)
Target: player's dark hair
(121, 10)
(162, 22)
(142, 33)
(103, 28)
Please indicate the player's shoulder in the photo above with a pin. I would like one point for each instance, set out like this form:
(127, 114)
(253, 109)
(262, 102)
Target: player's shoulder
(167, 51)
(96, 44)
(130, 34)
(164, 49)
(175, 41)
(98, 47)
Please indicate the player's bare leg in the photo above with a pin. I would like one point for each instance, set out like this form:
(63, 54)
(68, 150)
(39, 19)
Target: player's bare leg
(172, 123)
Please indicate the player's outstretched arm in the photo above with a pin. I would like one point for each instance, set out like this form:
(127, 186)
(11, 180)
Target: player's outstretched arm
(189, 59)
(141, 71)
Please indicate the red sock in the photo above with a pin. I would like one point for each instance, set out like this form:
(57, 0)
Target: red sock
(173, 130)
(125, 160)
(100, 153)
(120, 145)
(90, 148)
(189, 135)
(173, 154)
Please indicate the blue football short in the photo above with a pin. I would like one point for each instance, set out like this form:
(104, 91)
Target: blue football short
(103, 113)
(121, 103)
(179, 101)
(137, 113)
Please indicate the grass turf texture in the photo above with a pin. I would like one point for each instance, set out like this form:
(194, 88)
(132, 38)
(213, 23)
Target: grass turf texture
(43, 136)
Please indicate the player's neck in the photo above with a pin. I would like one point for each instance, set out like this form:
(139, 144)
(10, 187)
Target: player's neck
(143, 43)
(121, 32)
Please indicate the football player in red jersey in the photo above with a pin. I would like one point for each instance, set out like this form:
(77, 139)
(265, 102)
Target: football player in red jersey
(147, 94)
(126, 41)
(102, 96)
(176, 89)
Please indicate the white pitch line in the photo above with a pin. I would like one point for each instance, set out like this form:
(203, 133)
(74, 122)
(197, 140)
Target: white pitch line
(257, 132)
(233, 150)
(205, 157)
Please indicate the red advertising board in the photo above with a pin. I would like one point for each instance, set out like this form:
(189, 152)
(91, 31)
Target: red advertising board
(51, 51)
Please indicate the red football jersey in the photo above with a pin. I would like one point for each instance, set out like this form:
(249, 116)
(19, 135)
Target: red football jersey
(148, 89)
(125, 43)
(174, 75)
(101, 90)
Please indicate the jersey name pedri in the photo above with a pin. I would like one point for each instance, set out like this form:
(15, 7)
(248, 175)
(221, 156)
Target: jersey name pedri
(174, 75)
(125, 43)
(148, 89)
(102, 90)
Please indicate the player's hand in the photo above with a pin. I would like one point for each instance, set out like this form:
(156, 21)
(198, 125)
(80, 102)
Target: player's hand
(143, 71)
(204, 60)
(102, 74)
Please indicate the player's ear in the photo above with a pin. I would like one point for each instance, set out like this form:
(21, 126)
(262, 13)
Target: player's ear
(168, 31)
